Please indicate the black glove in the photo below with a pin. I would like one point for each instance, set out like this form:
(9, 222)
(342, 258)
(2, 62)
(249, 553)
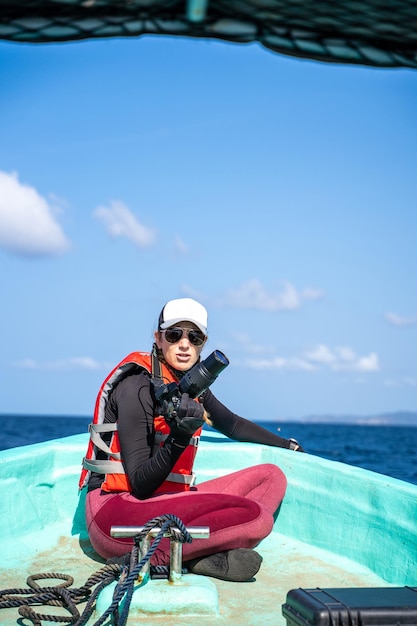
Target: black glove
(189, 417)
(294, 445)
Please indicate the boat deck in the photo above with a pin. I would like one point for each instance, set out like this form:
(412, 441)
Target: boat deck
(338, 526)
(287, 564)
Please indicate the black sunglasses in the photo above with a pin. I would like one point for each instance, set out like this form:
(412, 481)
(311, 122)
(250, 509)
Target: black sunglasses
(195, 337)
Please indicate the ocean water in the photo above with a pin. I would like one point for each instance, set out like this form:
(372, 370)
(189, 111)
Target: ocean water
(390, 450)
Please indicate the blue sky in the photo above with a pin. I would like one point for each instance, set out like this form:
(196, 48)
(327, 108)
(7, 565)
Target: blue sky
(279, 192)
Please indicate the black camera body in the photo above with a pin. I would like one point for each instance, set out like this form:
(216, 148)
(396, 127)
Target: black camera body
(195, 382)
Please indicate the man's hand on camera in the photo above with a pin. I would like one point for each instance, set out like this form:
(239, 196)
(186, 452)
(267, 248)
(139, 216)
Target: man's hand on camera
(190, 416)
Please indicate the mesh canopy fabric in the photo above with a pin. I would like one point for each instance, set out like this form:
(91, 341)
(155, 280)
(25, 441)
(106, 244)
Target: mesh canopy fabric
(380, 33)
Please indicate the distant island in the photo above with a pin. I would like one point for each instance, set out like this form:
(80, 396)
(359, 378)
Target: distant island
(397, 418)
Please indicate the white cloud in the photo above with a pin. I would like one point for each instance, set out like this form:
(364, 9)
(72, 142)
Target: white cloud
(368, 363)
(345, 355)
(74, 363)
(302, 364)
(248, 346)
(119, 221)
(189, 292)
(318, 358)
(262, 364)
(407, 381)
(321, 355)
(27, 224)
(253, 295)
(399, 320)
(180, 246)
(279, 363)
(343, 358)
(340, 357)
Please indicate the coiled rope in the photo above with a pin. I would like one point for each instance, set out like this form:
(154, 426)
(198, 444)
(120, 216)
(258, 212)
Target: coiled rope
(63, 596)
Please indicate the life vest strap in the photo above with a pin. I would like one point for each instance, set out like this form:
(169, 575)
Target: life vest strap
(184, 479)
(116, 467)
(160, 438)
(101, 466)
(95, 430)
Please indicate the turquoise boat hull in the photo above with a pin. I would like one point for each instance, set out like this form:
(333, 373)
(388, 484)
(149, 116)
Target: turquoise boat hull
(338, 526)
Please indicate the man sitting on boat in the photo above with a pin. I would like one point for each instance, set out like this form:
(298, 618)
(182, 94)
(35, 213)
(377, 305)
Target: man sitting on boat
(140, 458)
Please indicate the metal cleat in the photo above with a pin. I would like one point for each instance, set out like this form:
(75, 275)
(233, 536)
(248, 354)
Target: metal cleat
(175, 564)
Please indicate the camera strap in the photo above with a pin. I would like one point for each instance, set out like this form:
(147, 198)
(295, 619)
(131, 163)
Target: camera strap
(155, 364)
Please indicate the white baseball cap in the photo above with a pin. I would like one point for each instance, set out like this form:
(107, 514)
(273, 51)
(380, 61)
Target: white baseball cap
(183, 310)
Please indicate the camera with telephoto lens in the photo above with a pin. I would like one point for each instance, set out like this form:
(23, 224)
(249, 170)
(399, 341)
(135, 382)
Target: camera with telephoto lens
(195, 382)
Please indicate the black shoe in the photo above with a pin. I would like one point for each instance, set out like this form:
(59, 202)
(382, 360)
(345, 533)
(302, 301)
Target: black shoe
(237, 565)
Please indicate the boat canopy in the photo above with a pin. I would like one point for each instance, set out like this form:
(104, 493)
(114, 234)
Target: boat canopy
(379, 33)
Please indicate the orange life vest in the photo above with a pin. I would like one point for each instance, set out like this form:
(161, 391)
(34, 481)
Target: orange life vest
(180, 479)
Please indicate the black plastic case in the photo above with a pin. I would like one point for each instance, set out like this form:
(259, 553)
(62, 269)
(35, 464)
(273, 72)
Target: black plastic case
(362, 606)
